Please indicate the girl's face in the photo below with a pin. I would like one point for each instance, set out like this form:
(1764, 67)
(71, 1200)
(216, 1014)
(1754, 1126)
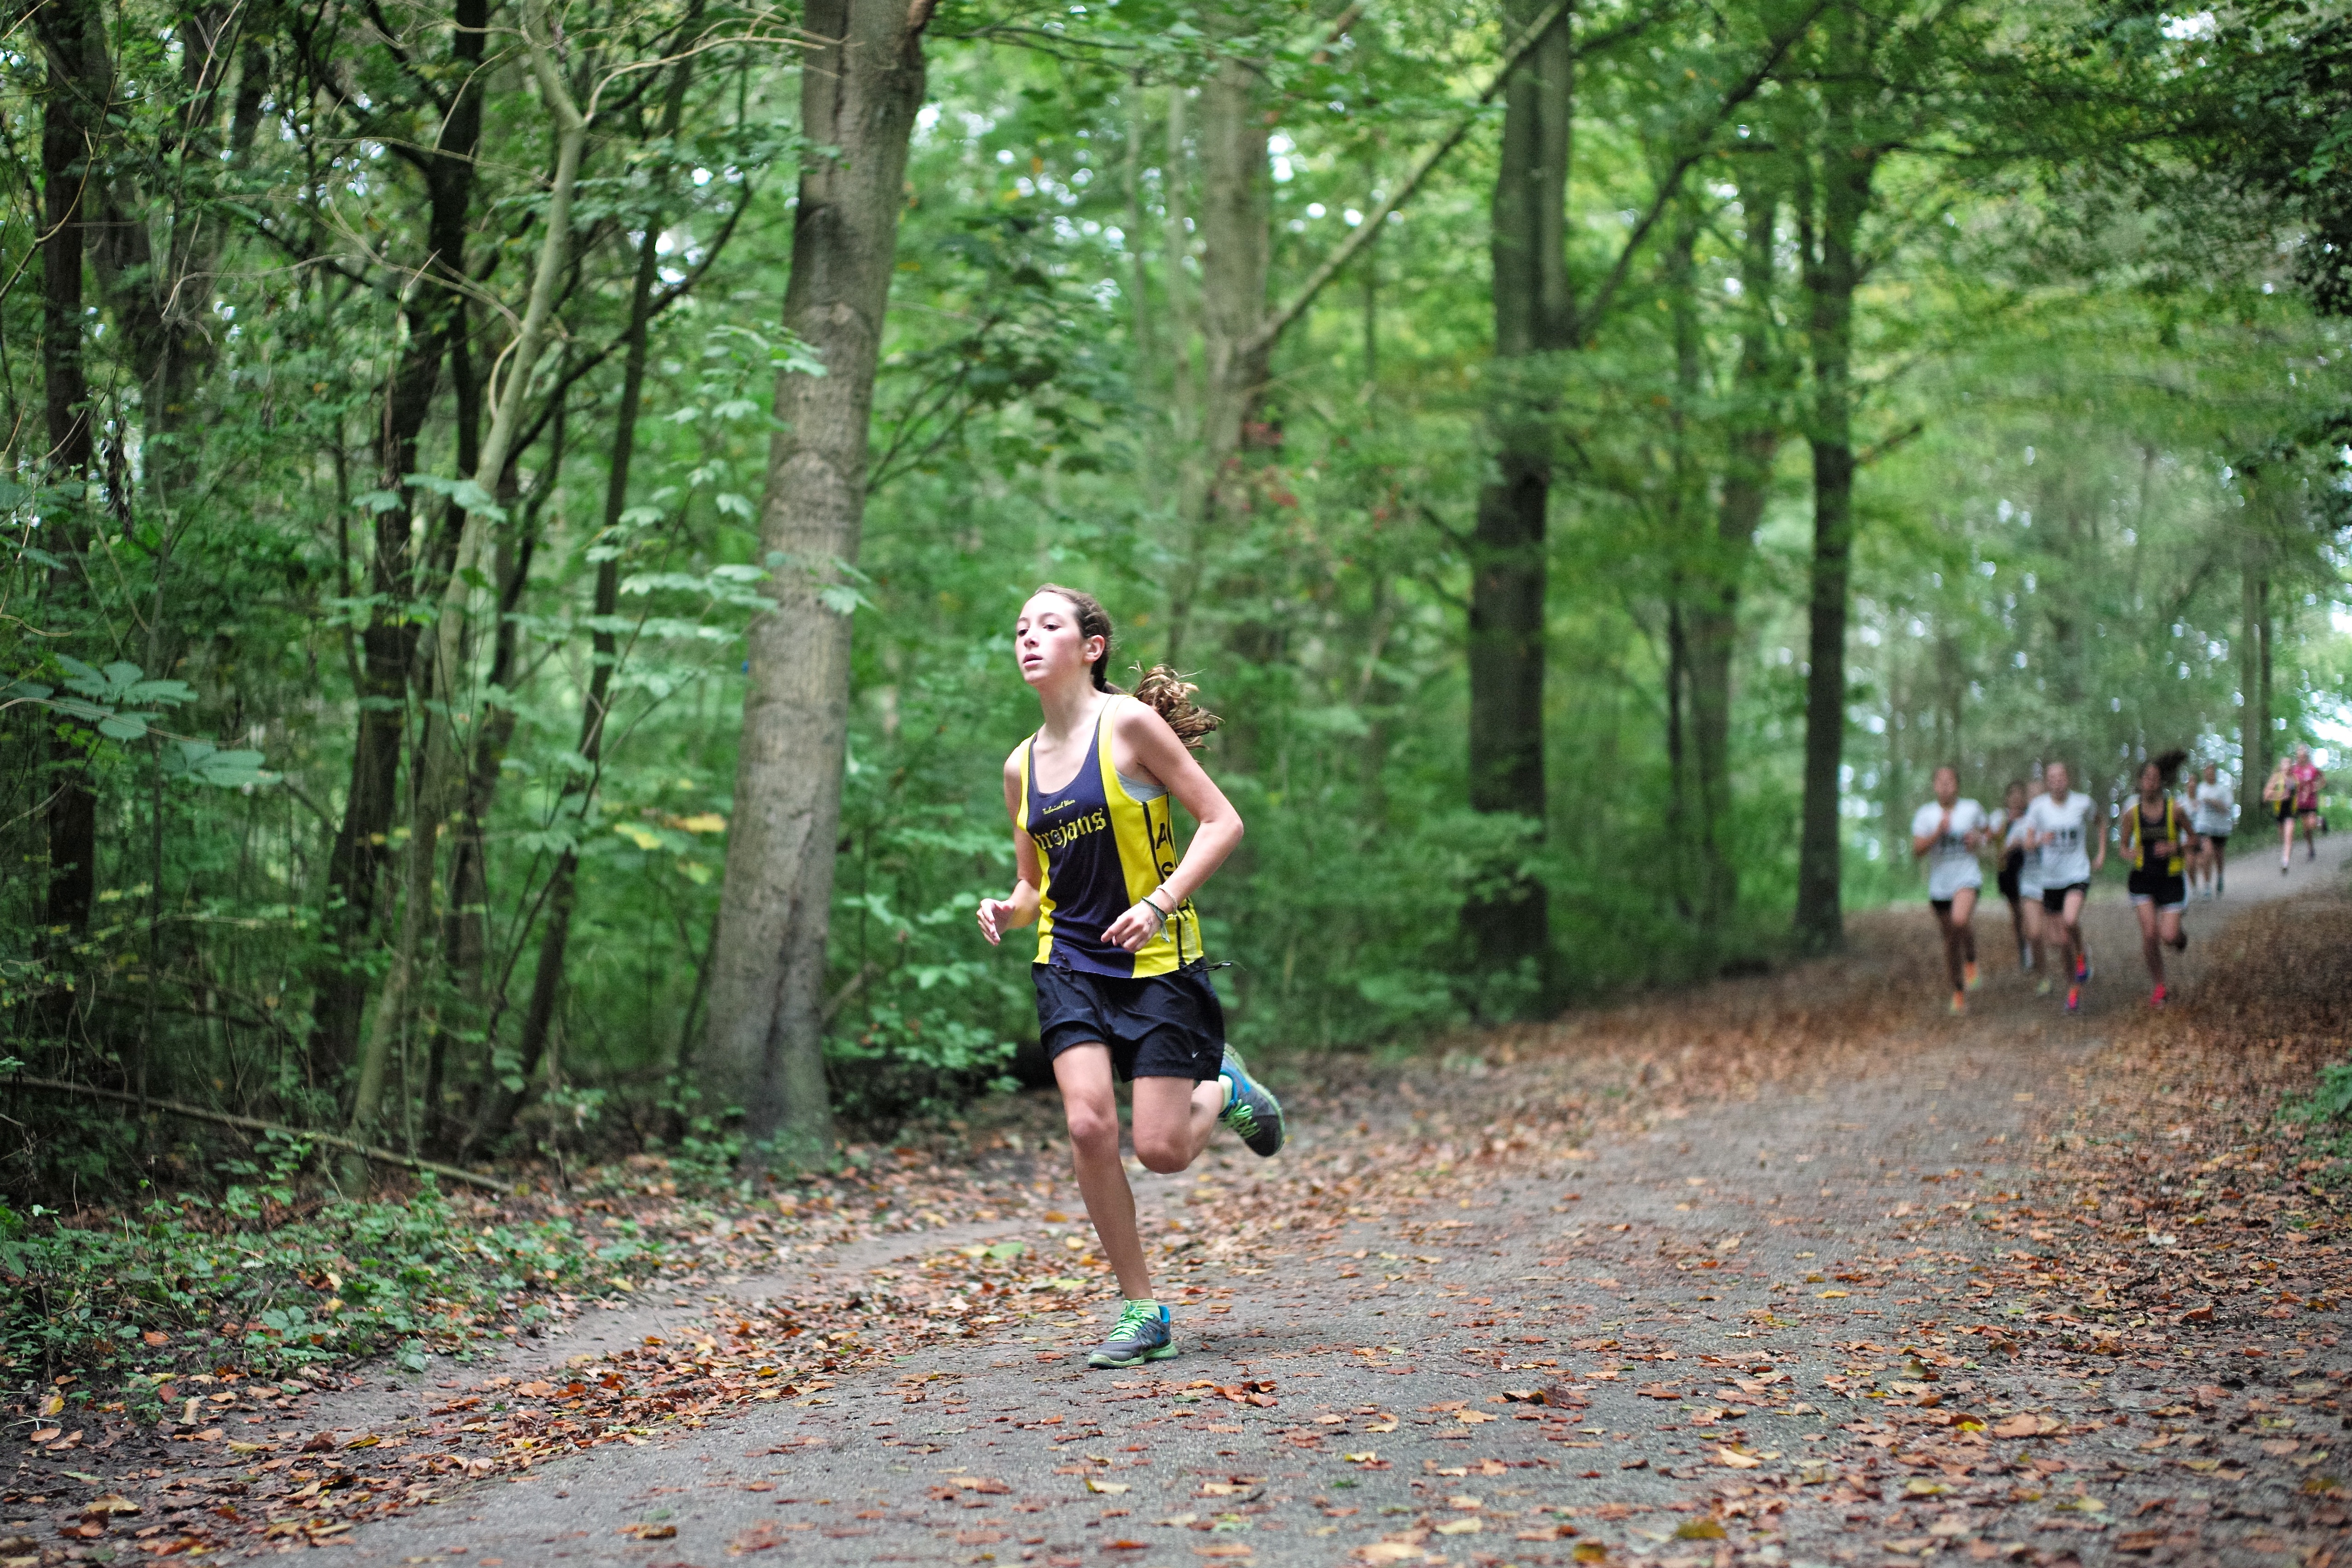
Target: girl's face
(2213, 772)
(2014, 801)
(2054, 780)
(1048, 641)
(2151, 781)
(1947, 786)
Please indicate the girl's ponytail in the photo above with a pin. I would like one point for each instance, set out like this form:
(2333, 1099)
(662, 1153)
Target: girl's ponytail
(1168, 692)
(1171, 694)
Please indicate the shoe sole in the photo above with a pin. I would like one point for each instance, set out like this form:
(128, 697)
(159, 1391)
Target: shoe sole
(1281, 1123)
(1112, 1363)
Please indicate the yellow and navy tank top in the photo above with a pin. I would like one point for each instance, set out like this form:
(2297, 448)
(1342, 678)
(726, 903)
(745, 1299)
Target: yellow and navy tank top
(2137, 840)
(1103, 849)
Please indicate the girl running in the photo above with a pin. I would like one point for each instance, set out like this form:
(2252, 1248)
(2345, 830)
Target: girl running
(2307, 779)
(2155, 841)
(2063, 825)
(1116, 993)
(2029, 889)
(2007, 829)
(2215, 813)
(2278, 794)
(1945, 833)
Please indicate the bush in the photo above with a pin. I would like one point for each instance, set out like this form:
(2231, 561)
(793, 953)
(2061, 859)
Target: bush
(252, 1283)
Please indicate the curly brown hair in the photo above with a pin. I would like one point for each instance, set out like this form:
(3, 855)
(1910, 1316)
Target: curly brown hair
(1160, 687)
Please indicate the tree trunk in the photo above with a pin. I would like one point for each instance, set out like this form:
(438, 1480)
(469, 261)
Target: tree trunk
(1235, 250)
(1688, 548)
(435, 323)
(2254, 680)
(78, 88)
(1831, 275)
(1509, 921)
(1759, 392)
(861, 85)
(502, 1094)
(437, 770)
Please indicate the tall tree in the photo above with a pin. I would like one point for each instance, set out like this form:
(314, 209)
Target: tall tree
(77, 90)
(433, 322)
(1755, 421)
(1535, 318)
(1833, 196)
(861, 85)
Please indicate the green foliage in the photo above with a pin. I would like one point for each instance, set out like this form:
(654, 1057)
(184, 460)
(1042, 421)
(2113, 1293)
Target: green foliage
(2093, 408)
(256, 1281)
(2326, 1116)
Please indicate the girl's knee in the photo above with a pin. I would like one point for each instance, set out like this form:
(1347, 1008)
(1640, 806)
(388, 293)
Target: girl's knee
(1092, 1129)
(1162, 1158)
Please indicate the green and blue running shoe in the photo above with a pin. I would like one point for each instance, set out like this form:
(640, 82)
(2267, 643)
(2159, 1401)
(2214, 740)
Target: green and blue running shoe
(1251, 1110)
(1142, 1335)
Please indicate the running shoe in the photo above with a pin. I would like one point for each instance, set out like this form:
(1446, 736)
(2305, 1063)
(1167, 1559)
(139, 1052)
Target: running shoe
(1959, 1004)
(2073, 998)
(1968, 972)
(2041, 987)
(2156, 999)
(2083, 970)
(1251, 1110)
(1142, 1335)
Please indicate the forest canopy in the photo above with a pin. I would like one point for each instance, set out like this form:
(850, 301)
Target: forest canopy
(515, 512)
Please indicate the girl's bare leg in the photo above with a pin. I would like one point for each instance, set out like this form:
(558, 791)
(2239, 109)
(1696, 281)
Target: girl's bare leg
(1952, 944)
(1090, 1106)
(1963, 914)
(2151, 944)
(1173, 1119)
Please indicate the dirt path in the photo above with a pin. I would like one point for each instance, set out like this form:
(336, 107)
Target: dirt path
(1777, 1275)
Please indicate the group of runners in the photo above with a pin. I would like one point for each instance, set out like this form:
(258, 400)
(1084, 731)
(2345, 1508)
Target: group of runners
(1122, 983)
(2050, 840)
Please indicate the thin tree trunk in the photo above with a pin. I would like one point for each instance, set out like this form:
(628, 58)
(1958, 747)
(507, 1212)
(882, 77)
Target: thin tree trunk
(861, 86)
(1831, 275)
(1235, 250)
(438, 766)
(1508, 923)
(503, 1095)
(1685, 820)
(77, 86)
(1759, 390)
(434, 320)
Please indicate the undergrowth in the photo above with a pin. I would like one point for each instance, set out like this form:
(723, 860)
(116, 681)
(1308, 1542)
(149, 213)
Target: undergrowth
(256, 1283)
(2326, 1116)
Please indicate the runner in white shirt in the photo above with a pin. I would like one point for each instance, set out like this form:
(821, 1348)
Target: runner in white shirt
(1945, 833)
(2213, 812)
(2064, 825)
(2029, 890)
(2006, 834)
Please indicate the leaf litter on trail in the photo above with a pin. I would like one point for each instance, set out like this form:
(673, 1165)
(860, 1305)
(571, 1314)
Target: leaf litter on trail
(1448, 1137)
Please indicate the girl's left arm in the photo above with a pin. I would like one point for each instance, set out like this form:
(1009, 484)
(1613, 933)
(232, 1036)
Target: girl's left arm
(1154, 746)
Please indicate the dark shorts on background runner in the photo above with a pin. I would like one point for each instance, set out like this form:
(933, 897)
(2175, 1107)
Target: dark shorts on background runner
(2012, 864)
(2054, 899)
(1159, 1026)
(2166, 890)
(2216, 839)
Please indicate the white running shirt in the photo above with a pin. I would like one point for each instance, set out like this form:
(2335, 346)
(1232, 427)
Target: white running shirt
(2216, 809)
(2065, 824)
(1951, 864)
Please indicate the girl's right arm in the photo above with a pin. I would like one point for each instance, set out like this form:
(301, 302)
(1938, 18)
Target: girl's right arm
(998, 915)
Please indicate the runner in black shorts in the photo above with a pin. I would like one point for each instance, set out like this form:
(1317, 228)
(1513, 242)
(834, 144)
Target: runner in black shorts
(2008, 832)
(2156, 842)
(1122, 985)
